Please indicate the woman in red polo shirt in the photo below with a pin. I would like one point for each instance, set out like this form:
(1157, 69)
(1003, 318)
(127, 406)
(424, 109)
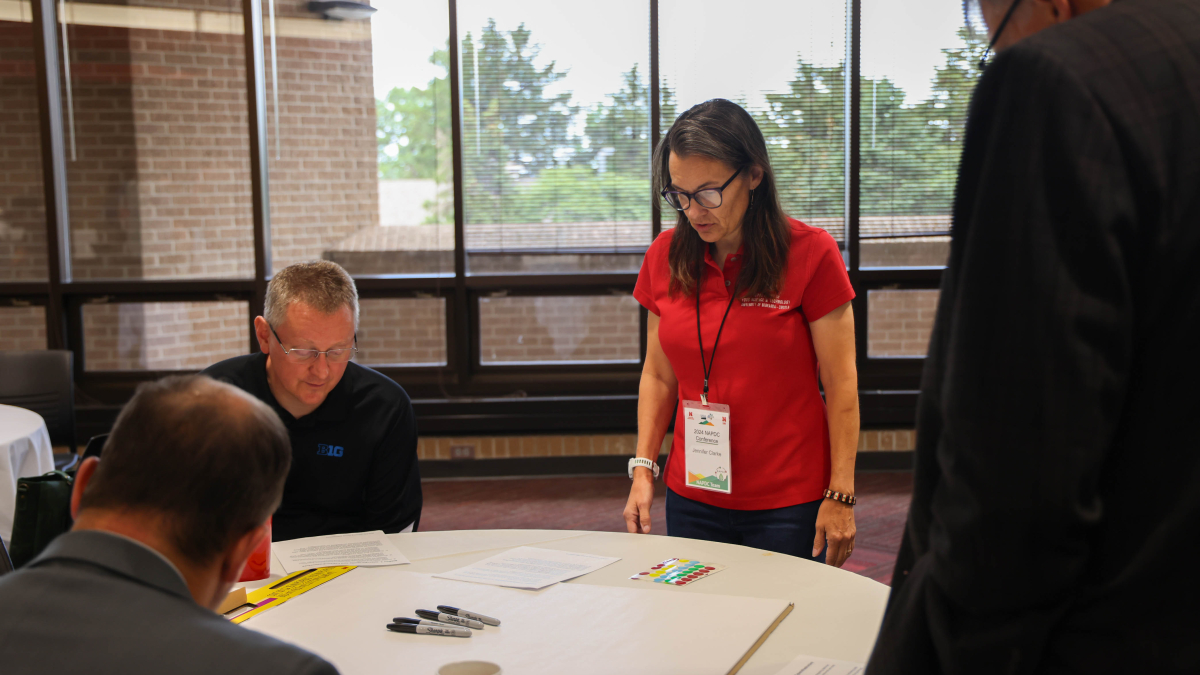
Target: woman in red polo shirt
(758, 457)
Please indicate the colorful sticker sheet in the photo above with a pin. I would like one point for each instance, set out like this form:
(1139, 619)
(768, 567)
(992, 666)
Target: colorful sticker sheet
(678, 572)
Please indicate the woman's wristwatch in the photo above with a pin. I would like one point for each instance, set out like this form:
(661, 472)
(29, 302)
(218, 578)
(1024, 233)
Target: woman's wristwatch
(642, 461)
(836, 496)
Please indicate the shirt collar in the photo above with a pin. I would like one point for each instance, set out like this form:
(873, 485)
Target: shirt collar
(120, 555)
(736, 256)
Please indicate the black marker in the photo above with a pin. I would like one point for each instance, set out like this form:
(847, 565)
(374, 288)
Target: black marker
(449, 618)
(468, 615)
(448, 631)
(421, 622)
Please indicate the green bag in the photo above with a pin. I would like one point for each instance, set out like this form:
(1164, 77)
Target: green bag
(43, 513)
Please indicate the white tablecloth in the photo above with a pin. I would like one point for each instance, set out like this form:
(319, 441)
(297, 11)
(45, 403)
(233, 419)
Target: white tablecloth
(837, 614)
(25, 450)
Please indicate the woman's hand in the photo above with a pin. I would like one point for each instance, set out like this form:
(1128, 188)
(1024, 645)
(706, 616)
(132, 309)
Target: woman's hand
(835, 524)
(641, 496)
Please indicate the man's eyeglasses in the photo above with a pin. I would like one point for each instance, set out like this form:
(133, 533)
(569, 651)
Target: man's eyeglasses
(709, 198)
(306, 355)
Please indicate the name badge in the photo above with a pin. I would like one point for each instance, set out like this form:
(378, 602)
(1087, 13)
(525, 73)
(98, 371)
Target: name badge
(706, 446)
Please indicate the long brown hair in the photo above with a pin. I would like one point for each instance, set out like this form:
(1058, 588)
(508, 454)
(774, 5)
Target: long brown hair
(724, 131)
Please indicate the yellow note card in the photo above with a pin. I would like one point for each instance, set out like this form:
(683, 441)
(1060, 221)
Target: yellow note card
(287, 588)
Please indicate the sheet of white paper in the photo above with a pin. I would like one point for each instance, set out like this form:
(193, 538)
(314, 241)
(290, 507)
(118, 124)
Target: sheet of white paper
(364, 549)
(811, 665)
(528, 567)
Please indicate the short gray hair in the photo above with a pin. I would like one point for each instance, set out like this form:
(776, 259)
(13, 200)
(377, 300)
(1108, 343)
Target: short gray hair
(320, 284)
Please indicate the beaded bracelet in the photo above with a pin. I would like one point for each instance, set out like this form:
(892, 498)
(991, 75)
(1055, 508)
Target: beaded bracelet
(840, 497)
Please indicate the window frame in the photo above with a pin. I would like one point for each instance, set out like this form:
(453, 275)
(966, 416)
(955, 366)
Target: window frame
(464, 396)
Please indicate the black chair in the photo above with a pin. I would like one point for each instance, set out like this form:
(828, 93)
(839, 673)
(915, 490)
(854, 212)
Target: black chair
(6, 565)
(42, 381)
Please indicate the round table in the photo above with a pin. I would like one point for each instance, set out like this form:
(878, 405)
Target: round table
(25, 450)
(837, 614)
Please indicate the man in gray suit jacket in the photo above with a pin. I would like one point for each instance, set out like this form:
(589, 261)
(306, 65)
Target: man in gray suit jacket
(163, 526)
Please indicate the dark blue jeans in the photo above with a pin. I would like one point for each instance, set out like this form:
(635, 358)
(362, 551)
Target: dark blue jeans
(789, 530)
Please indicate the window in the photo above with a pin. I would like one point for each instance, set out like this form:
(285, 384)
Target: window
(580, 329)
(22, 193)
(555, 135)
(22, 328)
(536, 116)
(157, 142)
(404, 331)
(919, 67)
(789, 70)
(163, 335)
(900, 322)
(359, 138)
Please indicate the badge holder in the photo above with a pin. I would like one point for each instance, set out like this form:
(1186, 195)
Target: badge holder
(706, 446)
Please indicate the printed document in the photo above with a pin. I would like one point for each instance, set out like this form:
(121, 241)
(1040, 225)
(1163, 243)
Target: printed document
(362, 549)
(529, 568)
(811, 665)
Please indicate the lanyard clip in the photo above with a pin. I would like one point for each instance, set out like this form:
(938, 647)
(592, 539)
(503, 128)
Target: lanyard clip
(704, 394)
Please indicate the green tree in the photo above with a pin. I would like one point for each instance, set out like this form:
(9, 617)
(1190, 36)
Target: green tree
(412, 126)
(618, 129)
(807, 124)
(910, 154)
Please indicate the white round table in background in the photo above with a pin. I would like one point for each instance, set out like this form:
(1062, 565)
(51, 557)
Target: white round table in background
(25, 450)
(837, 613)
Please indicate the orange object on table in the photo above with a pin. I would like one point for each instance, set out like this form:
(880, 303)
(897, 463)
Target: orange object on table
(258, 565)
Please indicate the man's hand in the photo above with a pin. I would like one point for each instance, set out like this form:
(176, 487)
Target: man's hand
(835, 523)
(641, 496)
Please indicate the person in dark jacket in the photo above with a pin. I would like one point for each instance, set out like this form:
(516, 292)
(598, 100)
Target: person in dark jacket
(163, 526)
(353, 430)
(1056, 497)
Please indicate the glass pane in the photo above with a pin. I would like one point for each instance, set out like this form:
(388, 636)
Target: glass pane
(22, 199)
(22, 328)
(788, 68)
(919, 67)
(163, 335)
(899, 323)
(407, 331)
(158, 153)
(908, 251)
(576, 329)
(556, 127)
(359, 138)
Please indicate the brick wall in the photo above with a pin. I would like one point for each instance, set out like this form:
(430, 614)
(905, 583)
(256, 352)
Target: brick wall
(160, 187)
(22, 328)
(324, 185)
(559, 328)
(22, 212)
(163, 335)
(402, 330)
(900, 322)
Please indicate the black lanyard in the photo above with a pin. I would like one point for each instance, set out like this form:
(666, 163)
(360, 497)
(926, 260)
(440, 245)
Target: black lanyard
(699, 338)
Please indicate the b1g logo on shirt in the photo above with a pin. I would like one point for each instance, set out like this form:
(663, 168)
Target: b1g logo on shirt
(329, 450)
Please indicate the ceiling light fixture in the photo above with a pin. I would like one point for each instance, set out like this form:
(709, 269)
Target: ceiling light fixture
(342, 10)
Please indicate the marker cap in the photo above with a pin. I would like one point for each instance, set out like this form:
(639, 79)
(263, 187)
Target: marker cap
(449, 618)
(447, 631)
(470, 615)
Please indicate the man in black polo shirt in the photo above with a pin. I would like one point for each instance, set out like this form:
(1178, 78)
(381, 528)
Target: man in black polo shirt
(353, 432)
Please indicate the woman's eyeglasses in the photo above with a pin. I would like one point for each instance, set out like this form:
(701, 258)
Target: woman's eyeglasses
(709, 198)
